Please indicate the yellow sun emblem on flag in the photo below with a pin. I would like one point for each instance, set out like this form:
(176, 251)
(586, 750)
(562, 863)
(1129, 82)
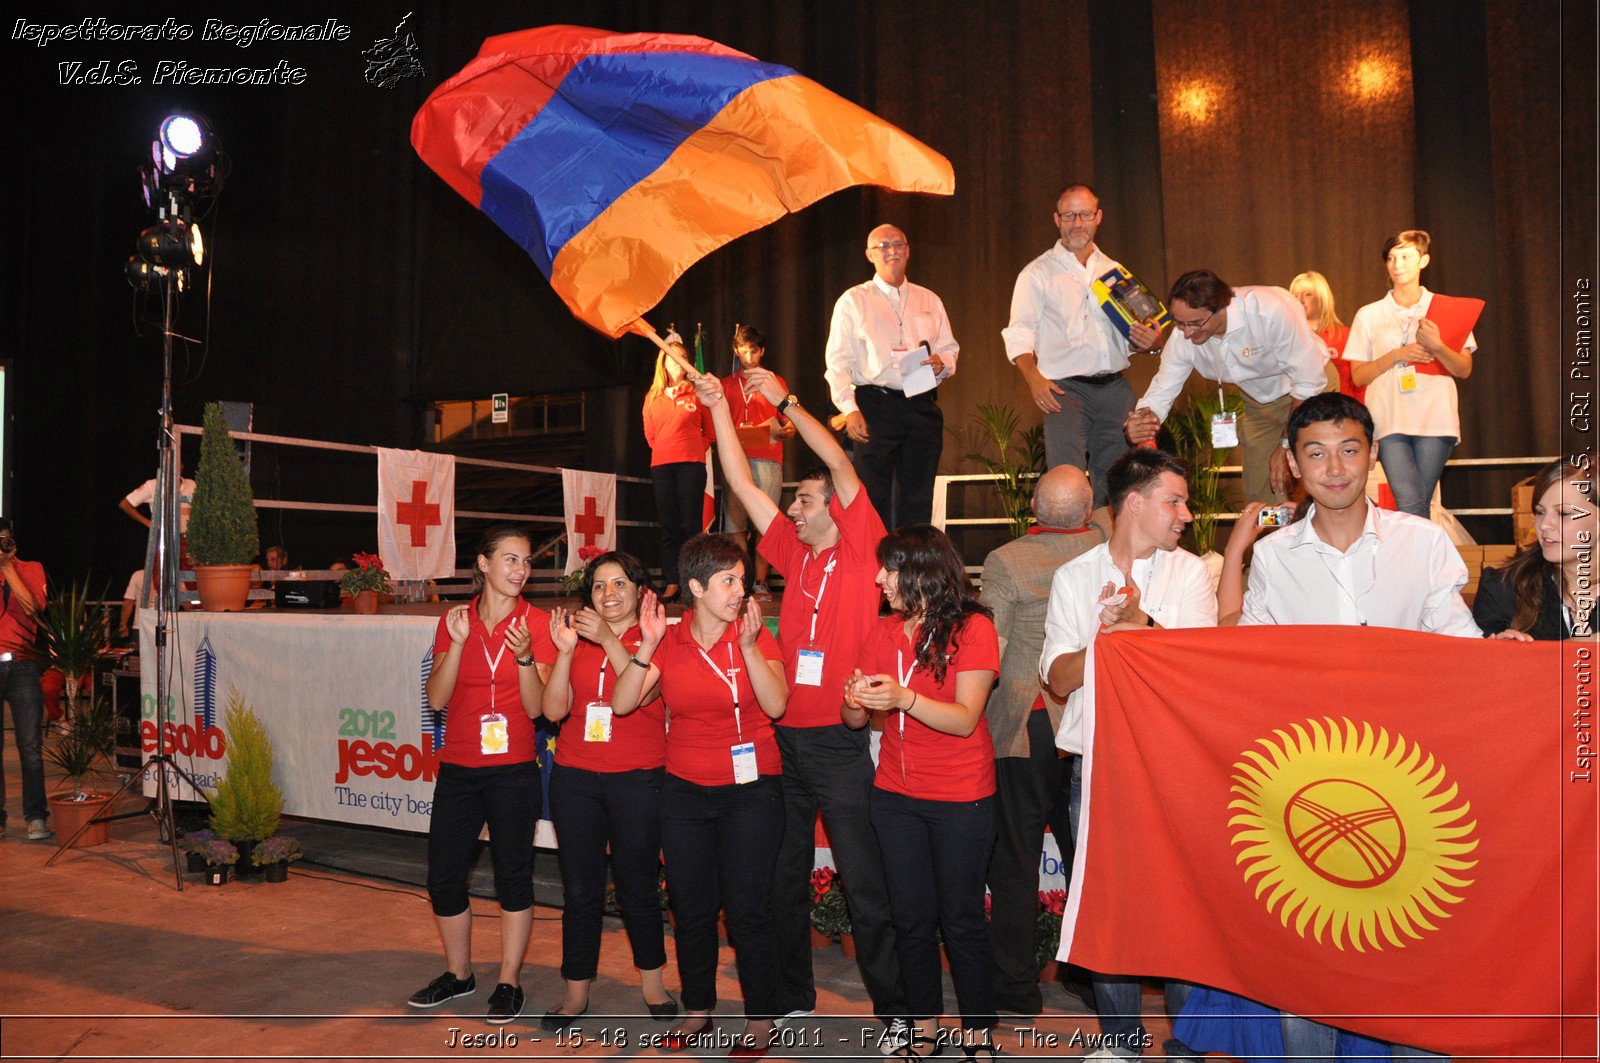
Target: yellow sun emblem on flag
(1351, 833)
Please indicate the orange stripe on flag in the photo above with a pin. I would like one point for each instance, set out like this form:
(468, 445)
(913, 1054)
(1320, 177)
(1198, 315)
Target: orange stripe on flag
(775, 148)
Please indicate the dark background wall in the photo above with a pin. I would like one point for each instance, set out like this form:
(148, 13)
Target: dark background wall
(352, 287)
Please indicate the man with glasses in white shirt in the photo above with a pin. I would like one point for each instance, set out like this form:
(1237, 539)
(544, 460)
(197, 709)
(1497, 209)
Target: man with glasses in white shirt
(1254, 336)
(1070, 355)
(889, 347)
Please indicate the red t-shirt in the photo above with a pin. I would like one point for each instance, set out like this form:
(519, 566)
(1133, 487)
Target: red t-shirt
(638, 740)
(1334, 340)
(922, 762)
(676, 426)
(16, 625)
(753, 409)
(702, 734)
(845, 613)
(477, 695)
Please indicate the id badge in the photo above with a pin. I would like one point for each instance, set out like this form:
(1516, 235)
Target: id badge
(808, 669)
(744, 763)
(493, 739)
(1408, 379)
(597, 722)
(1224, 431)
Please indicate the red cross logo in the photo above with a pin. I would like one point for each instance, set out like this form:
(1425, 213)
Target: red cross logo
(418, 514)
(589, 524)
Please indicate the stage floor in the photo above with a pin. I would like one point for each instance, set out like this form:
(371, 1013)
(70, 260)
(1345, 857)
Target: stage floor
(102, 957)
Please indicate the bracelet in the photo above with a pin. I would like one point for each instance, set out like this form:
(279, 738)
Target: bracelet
(524, 662)
(913, 703)
(642, 664)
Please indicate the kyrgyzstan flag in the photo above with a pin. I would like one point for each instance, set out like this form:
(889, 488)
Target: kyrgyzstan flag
(1391, 832)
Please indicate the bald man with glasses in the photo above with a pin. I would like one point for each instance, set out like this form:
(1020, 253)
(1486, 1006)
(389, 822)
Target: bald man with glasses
(1255, 337)
(889, 348)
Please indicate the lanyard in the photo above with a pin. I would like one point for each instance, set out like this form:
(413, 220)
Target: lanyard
(730, 679)
(905, 678)
(896, 307)
(822, 588)
(600, 690)
(494, 662)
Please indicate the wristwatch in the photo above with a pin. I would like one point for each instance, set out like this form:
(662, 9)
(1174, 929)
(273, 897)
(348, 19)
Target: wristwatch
(788, 400)
(524, 662)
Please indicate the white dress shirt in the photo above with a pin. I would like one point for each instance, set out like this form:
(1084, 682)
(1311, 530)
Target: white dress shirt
(870, 321)
(1403, 573)
(1267, 349)
(145, 495)
(1056, 316)
(1430, 410)
(1174, 588)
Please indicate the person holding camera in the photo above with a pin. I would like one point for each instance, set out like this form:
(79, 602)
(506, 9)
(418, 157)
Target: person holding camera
(22, 594)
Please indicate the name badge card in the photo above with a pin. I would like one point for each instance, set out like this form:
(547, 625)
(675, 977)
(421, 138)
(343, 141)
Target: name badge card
(1408, 378)
(1224, 431)
(597, 722)
(808, 669)
(493, 739)
(744, 763)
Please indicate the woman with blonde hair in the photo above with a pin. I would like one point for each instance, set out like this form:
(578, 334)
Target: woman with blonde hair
(1316, 299)
(679, 431)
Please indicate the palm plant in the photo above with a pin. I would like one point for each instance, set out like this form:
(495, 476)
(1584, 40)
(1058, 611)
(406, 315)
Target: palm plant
(1017, 465)
(77, 752)
(1190, 428)
(70, 632)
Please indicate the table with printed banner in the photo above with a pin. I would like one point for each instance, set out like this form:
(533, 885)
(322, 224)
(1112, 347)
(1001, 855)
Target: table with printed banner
(341, 695)
(343, 698)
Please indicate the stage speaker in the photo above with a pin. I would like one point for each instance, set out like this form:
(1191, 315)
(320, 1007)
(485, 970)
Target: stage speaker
(306, 594)
(240, 417)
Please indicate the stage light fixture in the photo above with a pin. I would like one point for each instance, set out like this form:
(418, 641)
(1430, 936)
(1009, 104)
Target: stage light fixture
(141, 274)
(197, 246)
(182, 135)
(172, 243)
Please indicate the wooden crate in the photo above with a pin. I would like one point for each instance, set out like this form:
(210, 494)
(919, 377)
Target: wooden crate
(1522, 530)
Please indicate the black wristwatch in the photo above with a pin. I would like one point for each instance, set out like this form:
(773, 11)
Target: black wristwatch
(524, 662)
(788, 400)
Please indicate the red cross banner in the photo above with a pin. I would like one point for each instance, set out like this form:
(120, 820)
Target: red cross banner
(1390, 832)
(591, 505)
(417, 513)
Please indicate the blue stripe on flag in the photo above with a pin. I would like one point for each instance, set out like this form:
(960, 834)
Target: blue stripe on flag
(615, 119)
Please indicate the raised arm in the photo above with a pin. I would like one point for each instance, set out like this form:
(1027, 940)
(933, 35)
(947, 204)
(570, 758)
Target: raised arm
(815, 435)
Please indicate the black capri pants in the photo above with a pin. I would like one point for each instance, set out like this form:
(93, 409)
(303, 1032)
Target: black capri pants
(506, 797)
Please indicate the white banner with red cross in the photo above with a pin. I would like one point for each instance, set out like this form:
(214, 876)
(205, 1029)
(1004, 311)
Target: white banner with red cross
(591, 504)
(417, 513)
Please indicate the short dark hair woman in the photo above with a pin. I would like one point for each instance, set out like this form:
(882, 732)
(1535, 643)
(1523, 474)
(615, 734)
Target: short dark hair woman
(605, 789)
(1538, 591)
(720, 676)
(484, 670)
(928, 667)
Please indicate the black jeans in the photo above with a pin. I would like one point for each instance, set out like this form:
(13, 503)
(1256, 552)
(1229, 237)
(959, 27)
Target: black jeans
(19, 686)
(1030, 792)
(464, 799)
(935, 854)
(680, 503)
(721, 845)
(902, 454)
(591, 809)
(830, 769)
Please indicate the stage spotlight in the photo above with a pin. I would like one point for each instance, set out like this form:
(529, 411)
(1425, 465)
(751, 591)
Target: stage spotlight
(182, 136)
(197, 246)
(171, 243)
(141, 274)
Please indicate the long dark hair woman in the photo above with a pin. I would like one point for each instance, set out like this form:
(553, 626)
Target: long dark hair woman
(484, 672)
(720, 677)
(1547, 590)
(927, 668)
(605, 789)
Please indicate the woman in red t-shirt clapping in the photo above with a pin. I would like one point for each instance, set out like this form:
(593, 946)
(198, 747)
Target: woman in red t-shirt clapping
(928, 667)
(720, 676)
(484, 671)
(605, 791)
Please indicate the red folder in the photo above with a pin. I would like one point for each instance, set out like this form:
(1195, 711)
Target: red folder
(1455, 315)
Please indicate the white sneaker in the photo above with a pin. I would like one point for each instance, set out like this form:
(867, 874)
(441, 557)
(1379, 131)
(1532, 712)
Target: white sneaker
(896, 1035)
(38, 831)
(1106, 1054)
(793, 1016)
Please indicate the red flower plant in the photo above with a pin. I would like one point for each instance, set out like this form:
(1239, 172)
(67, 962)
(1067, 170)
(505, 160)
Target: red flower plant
(589, 553)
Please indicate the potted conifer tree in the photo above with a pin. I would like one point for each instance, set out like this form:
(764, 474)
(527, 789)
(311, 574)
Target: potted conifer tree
(247, 803)
(223, 537)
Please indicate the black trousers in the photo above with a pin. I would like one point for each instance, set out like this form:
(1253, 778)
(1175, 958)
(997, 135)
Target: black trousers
(1030, 792)
(464, 800)
(680, 500)
(935, 854)
(829, 769)
(592, 810)
(899, 461)
(721, 845)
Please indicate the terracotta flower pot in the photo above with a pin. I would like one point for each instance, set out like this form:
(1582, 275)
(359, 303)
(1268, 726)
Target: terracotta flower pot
(1050, 971)
(223, 588)
(847, 942)
(68, 815)
(819, 940)
(366, 602)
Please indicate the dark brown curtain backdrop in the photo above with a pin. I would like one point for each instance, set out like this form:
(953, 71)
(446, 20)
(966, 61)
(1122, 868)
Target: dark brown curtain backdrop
(352, 287)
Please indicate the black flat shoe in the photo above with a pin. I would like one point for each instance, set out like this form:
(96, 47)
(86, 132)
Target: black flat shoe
(666, 1011)
(555, 1021)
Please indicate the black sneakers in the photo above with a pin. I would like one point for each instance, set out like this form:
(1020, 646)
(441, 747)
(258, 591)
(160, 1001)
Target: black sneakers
(505, 1003)
(445, 987)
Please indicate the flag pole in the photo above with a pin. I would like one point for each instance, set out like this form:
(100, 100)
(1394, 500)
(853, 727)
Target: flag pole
(642, 327)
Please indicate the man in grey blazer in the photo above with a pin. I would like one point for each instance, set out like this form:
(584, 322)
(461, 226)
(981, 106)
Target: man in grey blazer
(1031, 776)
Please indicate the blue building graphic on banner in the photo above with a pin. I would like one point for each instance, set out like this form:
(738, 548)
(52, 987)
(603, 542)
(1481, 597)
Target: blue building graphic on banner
(205, 683)
(432, 719)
